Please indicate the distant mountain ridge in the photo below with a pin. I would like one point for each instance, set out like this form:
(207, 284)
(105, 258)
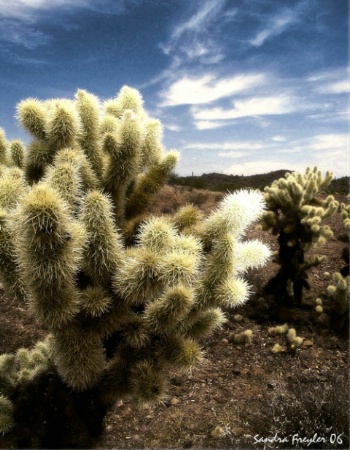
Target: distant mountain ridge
(221, 182)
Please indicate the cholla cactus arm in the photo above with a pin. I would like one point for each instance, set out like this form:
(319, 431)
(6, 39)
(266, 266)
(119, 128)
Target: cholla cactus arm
(345, 215)
(103, 251)
(17, 153)
(49, 253)
(78, 159)
(79, 356)
(12, 187)
(3, 147)
(63, 125)
(89, 110)
(152, 150)
(187, 218)
(65, 179)
(221, 235)
(32, 116)
(109, 124)
(127, 99)
(124, 153)
(9, 270)
(6, 414)
(37, 159)
(149, 183)
(164, 315)
(8, 373)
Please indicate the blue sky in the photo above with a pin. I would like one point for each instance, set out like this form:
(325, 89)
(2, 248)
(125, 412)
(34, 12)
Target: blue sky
(241, 86)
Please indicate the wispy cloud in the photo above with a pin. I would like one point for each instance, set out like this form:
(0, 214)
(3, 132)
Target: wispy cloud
(25, 35)
(197, 38)
(278, 138)
(323, 142)
(276, 24)
(256, 167)
(256, 106)
(210, 125)
(326, 151)
(208, 11)
(19, 18)
(173, 127)
(339, 87)
(208, 88)
(226, 145)
(331, 82)
(28, 10)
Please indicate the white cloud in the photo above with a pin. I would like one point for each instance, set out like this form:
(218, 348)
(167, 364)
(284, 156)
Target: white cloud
(275, 26)
(21, 34)
(28, 10)
(331, 82)
(205, 15)
(338, 87)
(278, 138)
(173, 127)
(242, 145)
(256, 167)
(18, 18)
(232, 155)
(326, 151)
(198, 38)
(332, 141)
(208, 88)
(210, 125)
(257, 106)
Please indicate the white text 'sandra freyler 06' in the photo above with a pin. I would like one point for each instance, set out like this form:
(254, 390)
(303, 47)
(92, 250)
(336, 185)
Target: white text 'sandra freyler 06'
(297, 439)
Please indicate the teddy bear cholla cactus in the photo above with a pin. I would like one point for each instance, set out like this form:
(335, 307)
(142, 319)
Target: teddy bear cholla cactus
(340, 289)
(296, 215)
(118, 316)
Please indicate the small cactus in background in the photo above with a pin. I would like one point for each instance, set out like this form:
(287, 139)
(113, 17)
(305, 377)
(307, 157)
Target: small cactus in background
(278, 348)
(245, 337)
(340, 289)
(292, 340)
(279, 329)
(340, 292)
(124, 296)
(319, 305)
(296, 215)
(345, 216)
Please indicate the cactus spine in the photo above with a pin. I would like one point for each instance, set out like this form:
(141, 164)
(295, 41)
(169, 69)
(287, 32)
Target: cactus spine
(122, 303)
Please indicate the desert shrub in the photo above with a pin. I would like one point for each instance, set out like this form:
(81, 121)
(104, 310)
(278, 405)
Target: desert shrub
(306, 416)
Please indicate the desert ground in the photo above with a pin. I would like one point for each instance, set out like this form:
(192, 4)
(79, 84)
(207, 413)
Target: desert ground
(243, 395)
